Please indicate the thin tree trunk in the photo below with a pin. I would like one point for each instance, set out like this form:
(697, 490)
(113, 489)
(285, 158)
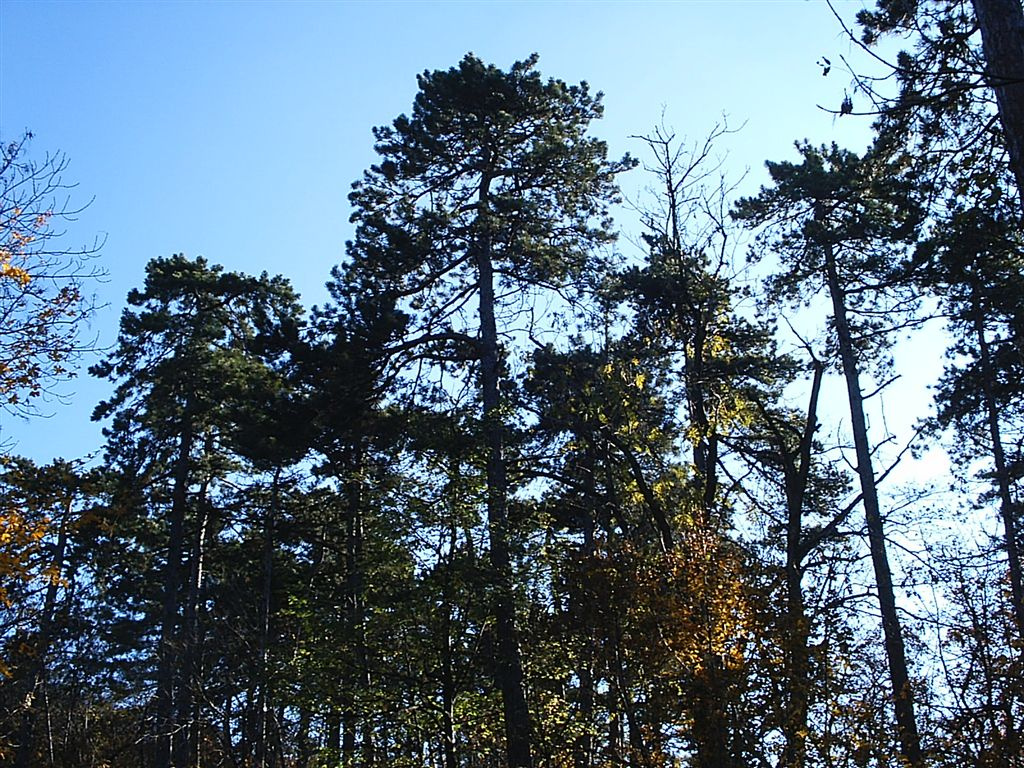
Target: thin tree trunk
(1002, 38)
(583, 750)
(348, 732)
(705, 447)
(903, 695)
(354, 586)
(167, 652)
(302, 739)
(1007, 508)
(50, 752)
(798, 669)
(614, 722)
(334, 733)
(191, 678)
(639, 753)
(797, 624)
(448, 689)
(710, 725)
(225, 728)
(267, 575)
(448, 705)
(36, 674)
(508, 665)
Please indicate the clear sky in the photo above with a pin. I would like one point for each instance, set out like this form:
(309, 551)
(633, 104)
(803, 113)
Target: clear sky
(233, 130)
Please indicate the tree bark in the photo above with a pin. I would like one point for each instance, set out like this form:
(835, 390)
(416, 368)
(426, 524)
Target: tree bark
(355, 585)
(796, 470)
(448, 689)
(1002, 38)
(903, 696)
(191, 668)
(705, 447)
(167, 653)
(583, 750)
(267, 577)
(36, 676)
(1007, 508)
(508, 665)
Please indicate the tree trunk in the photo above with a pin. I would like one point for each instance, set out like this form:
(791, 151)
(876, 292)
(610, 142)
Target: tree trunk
(167, 652)
(508, 665)
(448, 700)
(710, 723)
(903, 696)
(302, 738)
(1002, 38)
(267, 576)
(797, 669)
(191, 678)
(705, 447)
(356, 719)
(1007, 508)
(796, 468)
(583, 750)
(36, 674)
(334, 733)
(448, 689)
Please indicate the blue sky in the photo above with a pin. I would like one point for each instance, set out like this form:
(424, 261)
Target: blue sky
(233, 130)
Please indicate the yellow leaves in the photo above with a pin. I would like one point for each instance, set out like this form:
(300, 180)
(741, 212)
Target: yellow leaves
(709, 619)
(51, 575)
(19, 542)
(40, 300)
(686, 612)
(11, 272)
(626, 373)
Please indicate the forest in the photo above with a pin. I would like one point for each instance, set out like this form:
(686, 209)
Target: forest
(510, 498)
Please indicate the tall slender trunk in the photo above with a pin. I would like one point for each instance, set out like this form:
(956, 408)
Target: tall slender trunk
(614, 707)
(797, 670)
(191, 680)
(1007, 508)
(508, 665)
(1002, 39)
(302, 739)
(333, 733)
(639, 752)
(48, 712)
(266, 584)
(167, 651)
(796, 470)
(358, 601)
(225, 727)
(356, 721)
(711, 726)
(710, 722)
(448, 690)
(448, 697)
(903, 695)
(705, 447)
(583, 750)
(36, 674)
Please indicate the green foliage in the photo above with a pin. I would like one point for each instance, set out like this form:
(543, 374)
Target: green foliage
(447, 524)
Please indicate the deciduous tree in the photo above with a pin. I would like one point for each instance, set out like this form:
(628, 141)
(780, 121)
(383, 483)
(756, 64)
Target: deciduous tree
(43, 304)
